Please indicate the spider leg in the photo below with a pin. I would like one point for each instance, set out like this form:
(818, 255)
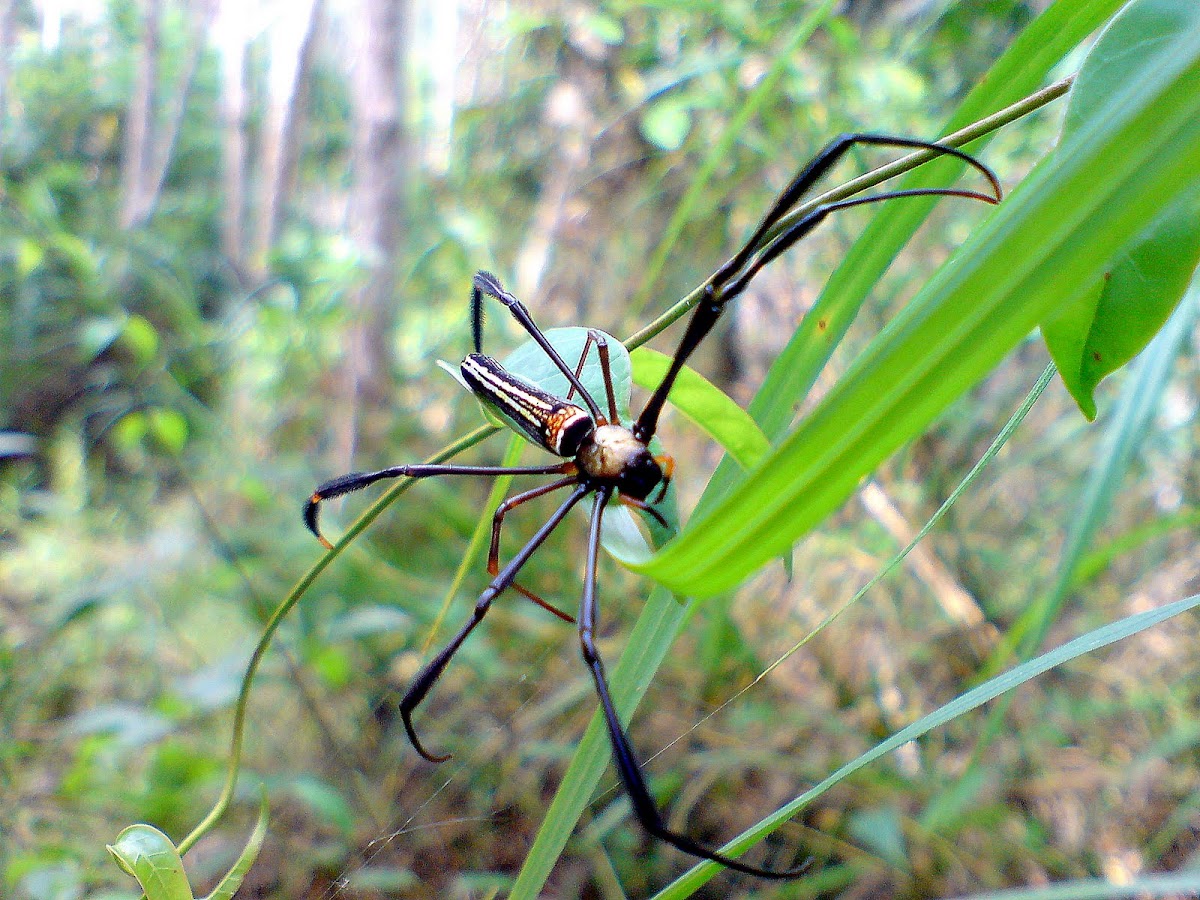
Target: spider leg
(493, 563)
(486, 283)
(606, 371)
(628, 768)
(801, 227)
(645, 507)
(597, 338)
(760, 249)
(815, 170)
(668, 466)
(433, 669)
(356, 481)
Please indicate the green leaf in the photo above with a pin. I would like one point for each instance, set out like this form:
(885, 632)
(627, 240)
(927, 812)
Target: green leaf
(706, 405)
(228, 885)
(1131, 302)
(1040, 252)
(169, 427)
(667, 122)
(149, 856)
(141, 338)
(1133, 40)
(1129, 305)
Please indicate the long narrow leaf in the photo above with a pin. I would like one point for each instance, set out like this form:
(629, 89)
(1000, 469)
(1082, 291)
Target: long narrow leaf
(1051, 240)
(990, 690)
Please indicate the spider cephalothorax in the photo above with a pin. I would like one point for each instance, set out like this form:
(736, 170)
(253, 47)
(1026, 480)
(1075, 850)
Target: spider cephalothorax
(605, 458)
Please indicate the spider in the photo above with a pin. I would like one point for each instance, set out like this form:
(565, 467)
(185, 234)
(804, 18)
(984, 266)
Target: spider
(607, 459)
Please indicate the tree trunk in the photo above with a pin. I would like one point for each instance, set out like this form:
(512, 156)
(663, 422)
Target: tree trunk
(8, 23)
(231, 38)
(375, 221)
(135, 166)
(292, 42)
(161, 138)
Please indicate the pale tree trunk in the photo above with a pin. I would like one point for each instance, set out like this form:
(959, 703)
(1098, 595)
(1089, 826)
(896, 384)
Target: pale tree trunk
(138, 135)
(375, 221)
(292, 41)
(8, 24)
(232, 38)
(164, 129)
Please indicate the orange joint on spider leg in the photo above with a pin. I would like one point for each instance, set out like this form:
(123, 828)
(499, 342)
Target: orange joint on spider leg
(667, 464)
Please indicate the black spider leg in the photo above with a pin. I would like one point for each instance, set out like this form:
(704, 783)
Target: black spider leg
(356, 481)
(628, 768)
(487, 283)
(433, 669)
(731, 279)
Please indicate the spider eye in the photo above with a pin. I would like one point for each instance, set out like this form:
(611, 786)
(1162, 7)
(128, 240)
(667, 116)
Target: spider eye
(640, 476)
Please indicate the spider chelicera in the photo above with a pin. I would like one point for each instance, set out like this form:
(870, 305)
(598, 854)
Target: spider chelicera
(607, 459)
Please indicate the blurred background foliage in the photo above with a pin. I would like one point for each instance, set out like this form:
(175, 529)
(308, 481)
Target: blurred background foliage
(234, 240)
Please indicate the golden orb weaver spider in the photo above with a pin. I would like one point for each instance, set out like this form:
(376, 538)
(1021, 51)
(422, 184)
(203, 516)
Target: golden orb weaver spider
(608, 459)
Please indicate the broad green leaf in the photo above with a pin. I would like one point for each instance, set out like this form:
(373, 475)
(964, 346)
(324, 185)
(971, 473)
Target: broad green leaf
(1040, 252)
(1130, 303)
(1132, 41)
(706, 405)
(1132, 300)
(622, 537)
(149, 856)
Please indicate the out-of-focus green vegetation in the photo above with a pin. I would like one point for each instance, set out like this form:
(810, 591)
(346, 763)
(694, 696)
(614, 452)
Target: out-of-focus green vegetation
(166, 408)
